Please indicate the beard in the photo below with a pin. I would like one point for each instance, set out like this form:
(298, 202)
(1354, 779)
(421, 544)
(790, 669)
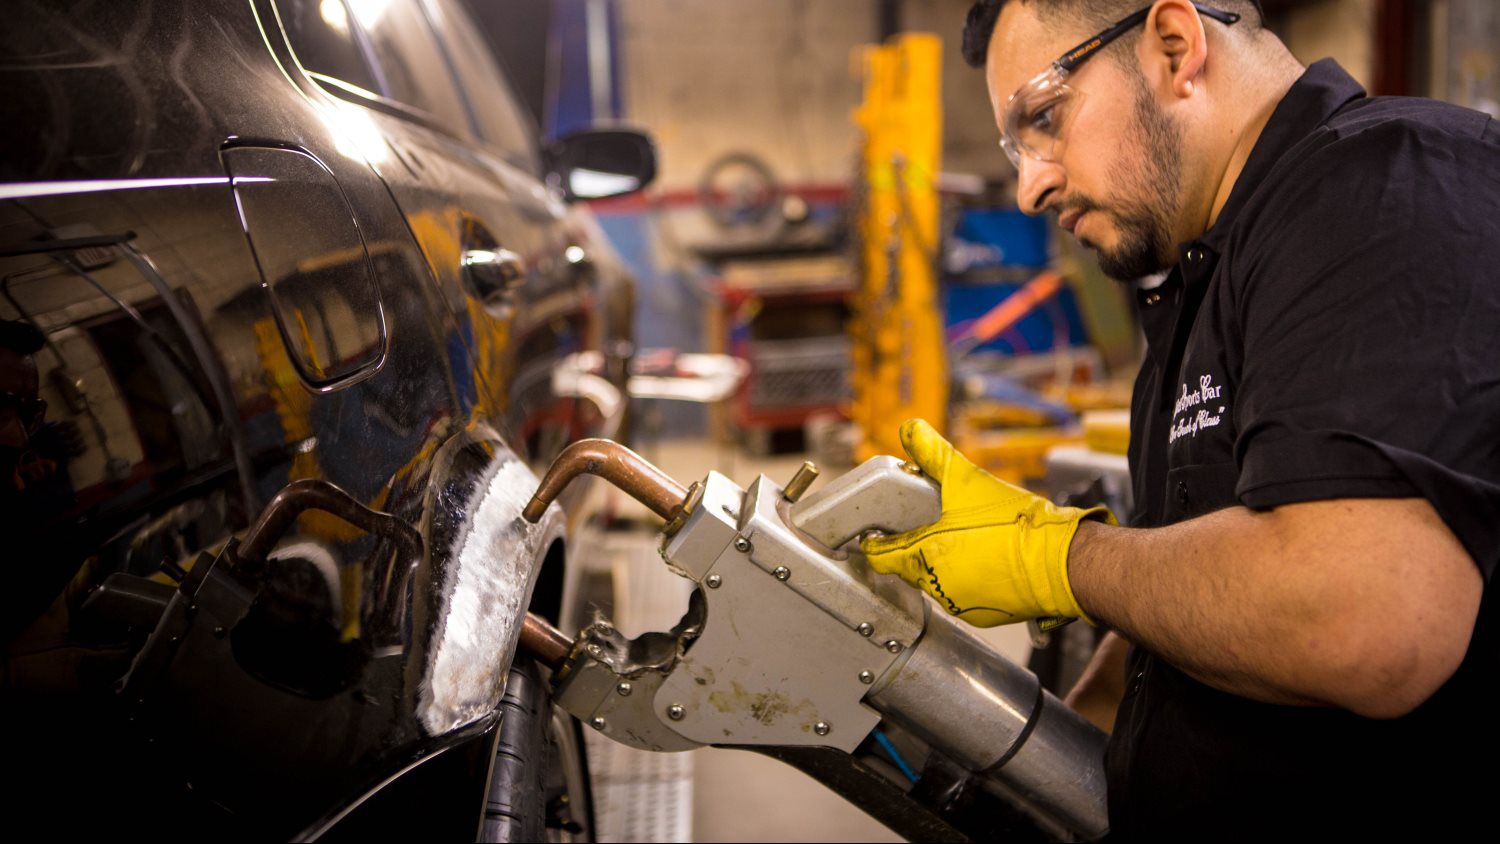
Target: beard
(1145, 245)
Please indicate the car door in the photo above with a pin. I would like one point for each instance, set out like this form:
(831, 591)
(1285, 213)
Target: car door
(213, 298)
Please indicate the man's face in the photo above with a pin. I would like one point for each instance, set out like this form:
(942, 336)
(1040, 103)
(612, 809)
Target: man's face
(1115, 177)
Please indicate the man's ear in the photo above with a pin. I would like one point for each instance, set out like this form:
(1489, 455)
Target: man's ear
(1174, 47)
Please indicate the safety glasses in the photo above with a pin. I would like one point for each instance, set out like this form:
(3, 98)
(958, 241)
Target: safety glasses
(1038, 112)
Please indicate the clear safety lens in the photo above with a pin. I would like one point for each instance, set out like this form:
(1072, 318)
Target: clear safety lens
(1036, 115)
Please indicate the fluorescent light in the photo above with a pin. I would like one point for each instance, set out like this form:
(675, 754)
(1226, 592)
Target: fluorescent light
(23, 190)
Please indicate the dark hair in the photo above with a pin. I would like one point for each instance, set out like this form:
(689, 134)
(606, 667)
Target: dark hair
(20, 337)
(979, 26)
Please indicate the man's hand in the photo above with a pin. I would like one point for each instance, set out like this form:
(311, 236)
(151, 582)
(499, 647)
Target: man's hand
(998, 555)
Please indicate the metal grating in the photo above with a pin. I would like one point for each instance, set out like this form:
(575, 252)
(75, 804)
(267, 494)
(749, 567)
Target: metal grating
(639, 795)
(792, 373)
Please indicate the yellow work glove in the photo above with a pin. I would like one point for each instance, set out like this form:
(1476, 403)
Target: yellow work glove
(998, 554)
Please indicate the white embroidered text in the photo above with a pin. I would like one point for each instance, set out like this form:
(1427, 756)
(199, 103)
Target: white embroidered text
(1197, 409)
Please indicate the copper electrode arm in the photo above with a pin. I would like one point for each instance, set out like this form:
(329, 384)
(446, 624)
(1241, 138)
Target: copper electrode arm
(614, 463)
(621, 467)
(544, 642)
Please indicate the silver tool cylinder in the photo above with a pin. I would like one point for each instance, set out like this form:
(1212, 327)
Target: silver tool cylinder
(993, 717)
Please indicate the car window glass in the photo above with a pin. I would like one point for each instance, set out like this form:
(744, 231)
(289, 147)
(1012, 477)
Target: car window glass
(414, 69)
(325, 44)
(501, 119)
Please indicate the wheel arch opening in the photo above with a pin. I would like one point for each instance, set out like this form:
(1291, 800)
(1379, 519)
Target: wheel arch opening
(547, 596)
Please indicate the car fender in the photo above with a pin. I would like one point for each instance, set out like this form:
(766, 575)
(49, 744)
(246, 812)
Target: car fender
(483, 564)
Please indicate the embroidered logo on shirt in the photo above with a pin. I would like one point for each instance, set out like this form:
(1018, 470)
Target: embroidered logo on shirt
(1202, 408)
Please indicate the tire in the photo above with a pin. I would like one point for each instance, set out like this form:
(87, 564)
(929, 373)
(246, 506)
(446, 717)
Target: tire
(539, 784)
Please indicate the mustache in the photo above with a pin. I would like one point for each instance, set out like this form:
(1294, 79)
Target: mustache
(1081, 204)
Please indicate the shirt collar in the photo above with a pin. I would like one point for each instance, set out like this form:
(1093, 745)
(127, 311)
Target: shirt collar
(1316, 96)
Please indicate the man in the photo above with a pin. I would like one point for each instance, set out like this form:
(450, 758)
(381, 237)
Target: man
(1315, 442)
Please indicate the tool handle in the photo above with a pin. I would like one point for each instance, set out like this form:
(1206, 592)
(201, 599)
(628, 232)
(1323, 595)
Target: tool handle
(883, 494)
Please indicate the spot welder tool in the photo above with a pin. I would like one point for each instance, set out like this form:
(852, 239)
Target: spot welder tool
(793, 646)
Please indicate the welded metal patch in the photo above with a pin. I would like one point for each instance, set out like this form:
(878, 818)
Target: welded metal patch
(484, 598)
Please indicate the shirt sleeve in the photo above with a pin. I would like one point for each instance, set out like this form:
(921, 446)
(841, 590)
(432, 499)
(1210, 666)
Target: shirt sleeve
(1370, 320)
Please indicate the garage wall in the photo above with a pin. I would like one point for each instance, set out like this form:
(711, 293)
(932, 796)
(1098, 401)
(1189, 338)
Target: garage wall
(1342, 29)
(970, 139)
(1465, 56)
(776, 77)
(767, 76)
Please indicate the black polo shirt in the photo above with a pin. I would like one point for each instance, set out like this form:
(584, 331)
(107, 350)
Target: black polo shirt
(1336, 334)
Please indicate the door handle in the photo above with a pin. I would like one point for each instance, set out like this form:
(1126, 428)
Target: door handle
(492, 273)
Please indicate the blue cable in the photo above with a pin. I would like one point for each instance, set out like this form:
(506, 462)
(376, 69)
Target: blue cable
(895, 754)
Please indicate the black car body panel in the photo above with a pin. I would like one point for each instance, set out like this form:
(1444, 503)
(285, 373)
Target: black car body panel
(243, 273)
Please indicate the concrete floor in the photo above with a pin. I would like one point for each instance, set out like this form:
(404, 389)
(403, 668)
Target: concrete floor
(737, 795)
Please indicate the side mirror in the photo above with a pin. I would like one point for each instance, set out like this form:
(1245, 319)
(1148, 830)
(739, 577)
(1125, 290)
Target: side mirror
(597, 163)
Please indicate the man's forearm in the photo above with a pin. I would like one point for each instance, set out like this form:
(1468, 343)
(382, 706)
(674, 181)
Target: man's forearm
(1194, 595)
(1365, 605)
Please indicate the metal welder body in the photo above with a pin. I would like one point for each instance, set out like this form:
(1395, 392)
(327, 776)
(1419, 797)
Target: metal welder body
(792, 641)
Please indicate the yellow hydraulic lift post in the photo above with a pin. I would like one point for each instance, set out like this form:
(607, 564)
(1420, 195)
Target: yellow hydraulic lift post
(899, 357)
